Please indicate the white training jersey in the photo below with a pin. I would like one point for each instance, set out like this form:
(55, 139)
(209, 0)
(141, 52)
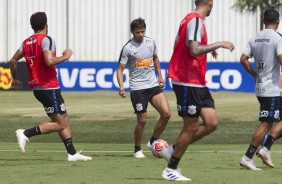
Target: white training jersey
(265, 47)
(139, 59)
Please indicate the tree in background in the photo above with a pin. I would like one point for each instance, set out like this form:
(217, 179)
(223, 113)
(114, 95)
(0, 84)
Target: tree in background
(255, 5)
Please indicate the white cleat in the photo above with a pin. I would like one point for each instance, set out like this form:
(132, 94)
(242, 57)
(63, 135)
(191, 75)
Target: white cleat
(139, 154)
(78, 157)
(22, 139)
(174, 175)
(149, 146)
(167, 153)
(264, 154)
(248, 163)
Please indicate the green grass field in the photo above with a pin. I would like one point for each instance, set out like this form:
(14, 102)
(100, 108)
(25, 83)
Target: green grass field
(102, 125)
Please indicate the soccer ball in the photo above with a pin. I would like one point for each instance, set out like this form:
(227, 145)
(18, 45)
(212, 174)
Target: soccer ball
(158, 146)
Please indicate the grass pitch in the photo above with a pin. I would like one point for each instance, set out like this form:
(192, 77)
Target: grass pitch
(102, 124)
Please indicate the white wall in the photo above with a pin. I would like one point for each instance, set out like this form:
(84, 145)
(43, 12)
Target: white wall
(96, 30)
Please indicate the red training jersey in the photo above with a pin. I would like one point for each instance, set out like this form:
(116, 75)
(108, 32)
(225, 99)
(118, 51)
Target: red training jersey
(39, 73)
(183, 67)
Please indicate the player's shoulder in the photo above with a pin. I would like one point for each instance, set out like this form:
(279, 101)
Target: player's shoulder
(148, 39)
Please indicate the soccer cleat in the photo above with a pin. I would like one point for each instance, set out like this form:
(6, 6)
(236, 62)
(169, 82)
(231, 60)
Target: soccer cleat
(149, 146)
(264, 154)
(248, 163)
(167, 153)
(78, 157)
(22, 139)
(174, 175)
(139, 154)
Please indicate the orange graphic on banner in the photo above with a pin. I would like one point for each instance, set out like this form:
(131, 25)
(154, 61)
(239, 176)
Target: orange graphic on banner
(5, 78)
(145, 62)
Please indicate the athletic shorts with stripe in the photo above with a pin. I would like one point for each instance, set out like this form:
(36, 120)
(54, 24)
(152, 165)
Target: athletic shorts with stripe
(140, 98)
(190, 100)
(270, 108)
(51, 100)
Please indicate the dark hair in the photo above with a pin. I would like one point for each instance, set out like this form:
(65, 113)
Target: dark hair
(138, 24)
(38, 21)
(270, 16)
(201, 2)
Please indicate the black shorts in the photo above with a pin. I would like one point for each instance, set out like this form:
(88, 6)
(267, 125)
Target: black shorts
(140, 98)
(190, 100)
(270, 108)
(51, 100)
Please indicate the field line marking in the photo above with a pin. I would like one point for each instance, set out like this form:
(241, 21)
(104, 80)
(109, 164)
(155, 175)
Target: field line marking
(115, 151)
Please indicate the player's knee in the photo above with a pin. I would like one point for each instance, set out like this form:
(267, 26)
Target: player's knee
(212, 126)
(166, 115)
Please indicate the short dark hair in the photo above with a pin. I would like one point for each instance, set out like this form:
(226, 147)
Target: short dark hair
(138, 24)
(270, 16)
(201, 2)
(38, 21)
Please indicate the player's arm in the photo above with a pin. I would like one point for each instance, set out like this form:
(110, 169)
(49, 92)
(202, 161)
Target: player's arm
(197, 49)
(279, 51)
(120, 80)
(244, 60)
(48, 48)
(51, 60)
(194, 33)
(16, 84)
(158, 70)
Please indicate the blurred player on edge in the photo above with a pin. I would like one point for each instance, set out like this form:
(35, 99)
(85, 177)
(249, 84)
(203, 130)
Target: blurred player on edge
(39, 51)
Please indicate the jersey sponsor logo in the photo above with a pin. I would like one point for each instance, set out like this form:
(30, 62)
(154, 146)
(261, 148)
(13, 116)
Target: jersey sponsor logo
(49, 110)
(192, 109)
(31, 42)
(262, 40)
(144, 63)
(263, 113)
(139, 107)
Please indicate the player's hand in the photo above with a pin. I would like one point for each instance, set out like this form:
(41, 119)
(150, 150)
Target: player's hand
(227, 45)
(161, 82)
(16, 84)
(214, 54)
(122, 93)
(67, 53)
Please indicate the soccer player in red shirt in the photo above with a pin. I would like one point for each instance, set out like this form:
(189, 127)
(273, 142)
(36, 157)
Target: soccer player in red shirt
(187, 69)
(39, 51)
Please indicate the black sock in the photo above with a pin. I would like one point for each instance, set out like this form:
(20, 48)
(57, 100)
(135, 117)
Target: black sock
(269, 141)
(251, 151)
(69, 146)
(137, 148)
(152, 140)
(32, 131)
(173, 162)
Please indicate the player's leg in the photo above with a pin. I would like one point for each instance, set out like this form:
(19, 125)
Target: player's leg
(138, 134)
(208, 125)
(139, 100)
(269, 113)
(65, 135)
(160, 103)
(184, 139)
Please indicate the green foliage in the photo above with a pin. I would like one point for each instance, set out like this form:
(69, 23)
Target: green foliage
(253, 5)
